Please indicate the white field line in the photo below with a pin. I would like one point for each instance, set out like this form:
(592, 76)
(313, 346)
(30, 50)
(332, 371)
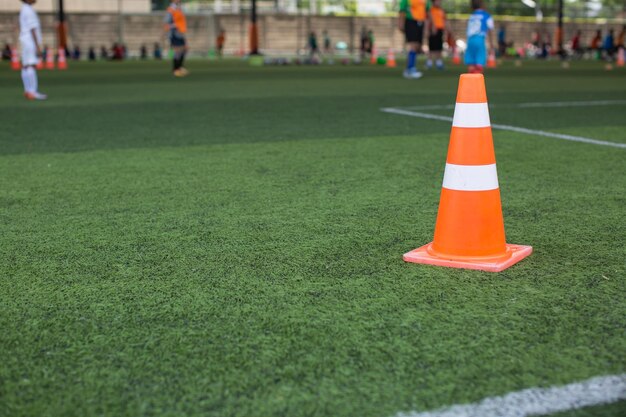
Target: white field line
(508, 127)
(538, 401)
(572, 103)
(529, 105)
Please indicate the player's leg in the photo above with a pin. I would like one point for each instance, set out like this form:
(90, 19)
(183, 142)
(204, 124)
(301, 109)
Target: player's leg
(438, 60)
(177, 64)
(435, 46)
(29, 73)
(178, 45)
(175, 58)
(469, 58)
(476, 55)
(431, 50)
(438, 49)
(179, 57)
(182, 58)
(411, 64)
(481, 56)
(27, 83)
(412, 32)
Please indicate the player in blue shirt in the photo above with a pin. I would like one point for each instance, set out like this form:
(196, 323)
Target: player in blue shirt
(479, 28)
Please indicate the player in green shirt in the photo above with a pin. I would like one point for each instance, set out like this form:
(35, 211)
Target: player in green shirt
(411, 21)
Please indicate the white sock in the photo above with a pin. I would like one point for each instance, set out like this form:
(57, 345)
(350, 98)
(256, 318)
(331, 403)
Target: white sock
(429, 63)
(25, 80)
(33, 79)
(439, 63)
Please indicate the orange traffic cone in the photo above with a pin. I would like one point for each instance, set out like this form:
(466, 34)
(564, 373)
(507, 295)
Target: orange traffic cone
(620, 57)
(391, 59)
(15, 60)
(456, 57)
(374, 56)
(491, 61)
(62, 64)
(469, 232)
(39, 64)
(50, 59)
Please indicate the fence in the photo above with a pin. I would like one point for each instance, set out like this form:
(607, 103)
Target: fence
(278, 33)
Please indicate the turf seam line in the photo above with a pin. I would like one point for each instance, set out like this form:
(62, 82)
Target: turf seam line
(517, 129)
(538, 401)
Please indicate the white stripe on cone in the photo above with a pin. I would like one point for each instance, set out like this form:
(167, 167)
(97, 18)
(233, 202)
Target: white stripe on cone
(471, 115)
(470, 177)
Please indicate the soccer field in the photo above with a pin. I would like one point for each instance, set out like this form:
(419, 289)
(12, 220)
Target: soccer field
(230, 244)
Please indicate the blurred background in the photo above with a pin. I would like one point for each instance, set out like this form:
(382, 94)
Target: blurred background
(284, 25)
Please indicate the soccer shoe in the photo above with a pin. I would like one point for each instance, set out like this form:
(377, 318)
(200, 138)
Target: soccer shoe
(179, 73)
(412, 74)
(184, 71)
(35, 96)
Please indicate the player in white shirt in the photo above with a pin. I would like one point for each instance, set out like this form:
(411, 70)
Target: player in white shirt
(30, 40)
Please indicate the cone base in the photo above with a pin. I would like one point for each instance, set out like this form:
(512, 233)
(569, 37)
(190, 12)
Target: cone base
(423, 256)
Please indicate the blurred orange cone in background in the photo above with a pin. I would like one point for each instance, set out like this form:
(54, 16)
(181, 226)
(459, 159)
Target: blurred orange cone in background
(39, 64)
(391, 59)
(456, 57)
(50, 59)
(15, 60)
(374, 56)
(62, 64)
(491, 61)
(620, 57)
(469, 232)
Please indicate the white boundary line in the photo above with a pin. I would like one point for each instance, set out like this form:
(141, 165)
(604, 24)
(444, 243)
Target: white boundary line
(529, 105)
(510, 128)
(572, 103)
(539, 401)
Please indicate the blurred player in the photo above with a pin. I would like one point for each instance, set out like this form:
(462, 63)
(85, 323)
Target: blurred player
(370, 42)
(364, 42)
(411, 20)
(576, 45)
(312, 44)
(176, 27)
(609, 45)
(219, 43)
(438, 25)
(502, 41)
(596, 44)
(479, 26)
(30, 41)
(328, 48)
(619, 42)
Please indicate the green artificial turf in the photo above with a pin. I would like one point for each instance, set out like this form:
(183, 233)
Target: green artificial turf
(230, 244)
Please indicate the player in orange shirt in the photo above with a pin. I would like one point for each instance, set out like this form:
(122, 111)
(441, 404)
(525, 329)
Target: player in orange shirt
(438, 25)
(176, 27)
